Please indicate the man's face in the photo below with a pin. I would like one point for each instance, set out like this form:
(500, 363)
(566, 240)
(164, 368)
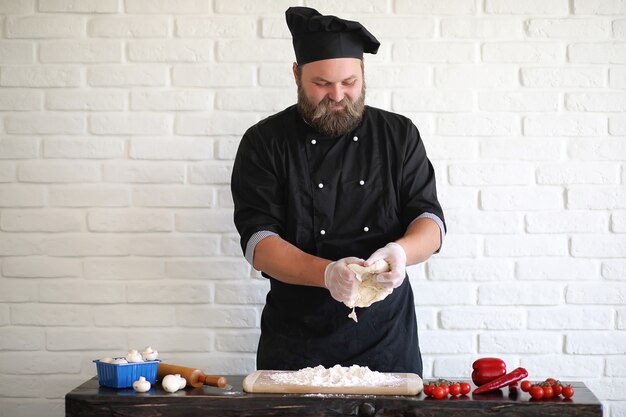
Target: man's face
(331, 94)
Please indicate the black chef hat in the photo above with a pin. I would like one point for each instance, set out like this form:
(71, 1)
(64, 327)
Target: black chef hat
(317, 37)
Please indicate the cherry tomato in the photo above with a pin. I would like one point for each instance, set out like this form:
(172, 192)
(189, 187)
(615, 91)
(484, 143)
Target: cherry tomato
(548, 392)
(550, 380)
(455, 389)
(557, 388)
(568, 391)
(526, 385)
(446, 389)
(465, 388)
(439, 392)
(536, 392)
(428, 389)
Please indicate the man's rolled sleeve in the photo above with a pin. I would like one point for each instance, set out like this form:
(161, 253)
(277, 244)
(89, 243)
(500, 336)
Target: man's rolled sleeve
(418, 186)
(253, 241)
(257, 194)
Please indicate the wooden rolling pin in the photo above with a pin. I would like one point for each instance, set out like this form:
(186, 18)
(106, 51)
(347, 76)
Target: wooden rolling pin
(194, 377)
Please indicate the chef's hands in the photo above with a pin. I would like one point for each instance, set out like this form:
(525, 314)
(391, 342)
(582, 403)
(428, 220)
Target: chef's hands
(395, 256)
(343, 284)
(341, 281)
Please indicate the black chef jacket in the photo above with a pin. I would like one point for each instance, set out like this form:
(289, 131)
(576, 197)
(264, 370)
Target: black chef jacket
(334, 197)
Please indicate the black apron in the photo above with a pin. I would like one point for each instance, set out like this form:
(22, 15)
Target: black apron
(333, 198)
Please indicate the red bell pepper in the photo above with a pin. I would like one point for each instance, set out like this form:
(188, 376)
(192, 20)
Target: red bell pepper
(487, 369)
(513, 376)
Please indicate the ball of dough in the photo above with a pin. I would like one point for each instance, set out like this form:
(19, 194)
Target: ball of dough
(369, 291)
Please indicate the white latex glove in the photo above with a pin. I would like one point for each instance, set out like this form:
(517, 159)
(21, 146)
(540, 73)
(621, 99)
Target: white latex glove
(340, 280)
(396, 258)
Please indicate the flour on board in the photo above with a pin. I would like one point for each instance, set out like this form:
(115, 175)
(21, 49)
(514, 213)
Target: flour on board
(353, 376)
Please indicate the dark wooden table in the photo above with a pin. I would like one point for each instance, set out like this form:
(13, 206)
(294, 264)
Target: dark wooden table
(91, 400)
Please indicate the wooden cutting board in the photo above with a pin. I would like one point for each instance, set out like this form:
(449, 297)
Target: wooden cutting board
(261, 382)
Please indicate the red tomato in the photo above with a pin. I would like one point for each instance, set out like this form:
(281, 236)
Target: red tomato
(536, 392)
(465, 388)
(446, 389)
(568, 391)
(526, 385)
(548, 392)
(455, 389)
(557, 388)
(550, 380)
(428, 389)
(439, 392)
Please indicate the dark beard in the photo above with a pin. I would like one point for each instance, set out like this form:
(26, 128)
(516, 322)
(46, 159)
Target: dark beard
(332, 122)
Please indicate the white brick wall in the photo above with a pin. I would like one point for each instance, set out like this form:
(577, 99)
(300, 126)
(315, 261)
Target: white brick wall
(119, 123)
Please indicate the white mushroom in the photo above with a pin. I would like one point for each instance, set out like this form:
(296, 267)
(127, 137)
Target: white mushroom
(141, 385)
(133, 356)
(172, 383)
(106, 359)
(119, 361)
(149, 354)
(183, 381)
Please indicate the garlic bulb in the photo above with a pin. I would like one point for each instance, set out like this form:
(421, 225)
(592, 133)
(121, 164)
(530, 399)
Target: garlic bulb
(149, 354)
(119, 361)
(172, 383)
(141, 385)
(106, 359)
(134, 356)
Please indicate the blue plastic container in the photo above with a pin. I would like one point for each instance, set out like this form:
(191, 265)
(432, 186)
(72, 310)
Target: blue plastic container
(122, 375)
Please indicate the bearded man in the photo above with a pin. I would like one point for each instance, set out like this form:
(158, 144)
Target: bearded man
(327, 183)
